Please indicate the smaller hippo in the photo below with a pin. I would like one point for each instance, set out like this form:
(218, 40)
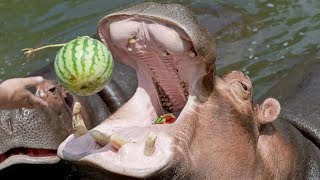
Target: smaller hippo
(32, 136)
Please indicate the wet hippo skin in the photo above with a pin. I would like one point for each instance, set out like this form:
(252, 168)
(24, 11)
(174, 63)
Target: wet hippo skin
(299, 95)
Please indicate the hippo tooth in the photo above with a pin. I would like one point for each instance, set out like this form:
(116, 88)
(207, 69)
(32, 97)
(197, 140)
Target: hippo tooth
(150, 144)
(132, 41)
(117, 141)
(76, 108)
(192, 54)
(78, 124)
(99, 137)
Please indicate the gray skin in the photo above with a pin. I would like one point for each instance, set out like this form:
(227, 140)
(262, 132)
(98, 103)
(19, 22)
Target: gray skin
(23, 132)
(299, 95)
(220, 133)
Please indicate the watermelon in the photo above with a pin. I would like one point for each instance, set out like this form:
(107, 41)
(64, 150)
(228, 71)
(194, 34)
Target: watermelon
(84, 66)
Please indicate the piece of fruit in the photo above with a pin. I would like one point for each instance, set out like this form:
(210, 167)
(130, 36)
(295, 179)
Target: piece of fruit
(84, 66)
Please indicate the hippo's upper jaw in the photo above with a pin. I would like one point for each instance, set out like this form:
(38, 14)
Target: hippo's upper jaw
(31, 136)
(174, 70)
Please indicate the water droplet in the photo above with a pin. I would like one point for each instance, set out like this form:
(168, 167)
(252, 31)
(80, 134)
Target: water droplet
(28, 73)
(250, 49)
(282, 57)
(301, 33)
(268, 46)
(270, 5)
(254, 42)
(251, 56)
(255, 29)
(256, 58)
(247, 72)
(285, 44)
(47, 59)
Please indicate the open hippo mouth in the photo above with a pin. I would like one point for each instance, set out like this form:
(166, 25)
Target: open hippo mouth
(31, 136)
(172, 67)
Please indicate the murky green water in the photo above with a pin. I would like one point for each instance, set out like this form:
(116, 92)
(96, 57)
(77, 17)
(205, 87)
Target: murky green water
(263, 38)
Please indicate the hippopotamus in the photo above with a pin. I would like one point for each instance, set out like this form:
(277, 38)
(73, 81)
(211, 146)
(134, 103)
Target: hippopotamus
(217, 131)
(32, 136)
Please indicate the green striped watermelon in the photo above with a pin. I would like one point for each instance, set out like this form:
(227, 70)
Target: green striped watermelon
(84, 66)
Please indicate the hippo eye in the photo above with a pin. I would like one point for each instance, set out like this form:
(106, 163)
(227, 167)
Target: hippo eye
(52, 89)
(244, 86)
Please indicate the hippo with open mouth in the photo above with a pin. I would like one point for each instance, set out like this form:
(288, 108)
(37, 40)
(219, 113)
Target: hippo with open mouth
(218, 133)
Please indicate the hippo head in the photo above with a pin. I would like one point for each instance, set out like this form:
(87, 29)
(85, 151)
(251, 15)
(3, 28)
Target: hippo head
(33, 135)
(217, 129)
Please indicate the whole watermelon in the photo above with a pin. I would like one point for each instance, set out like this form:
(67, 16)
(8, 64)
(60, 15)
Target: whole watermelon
(84, 66)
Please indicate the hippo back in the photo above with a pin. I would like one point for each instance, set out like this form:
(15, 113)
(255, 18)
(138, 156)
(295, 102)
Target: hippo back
(299, 96)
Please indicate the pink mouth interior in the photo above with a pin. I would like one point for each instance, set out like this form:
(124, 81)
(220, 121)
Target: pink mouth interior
(167, 68)
(31, 152)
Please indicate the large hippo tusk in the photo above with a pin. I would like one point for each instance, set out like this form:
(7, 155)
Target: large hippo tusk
(150, 144)
(99, 137)
(78, 124)
(117, 141)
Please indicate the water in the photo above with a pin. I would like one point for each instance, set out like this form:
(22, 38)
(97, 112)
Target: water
(263, 38)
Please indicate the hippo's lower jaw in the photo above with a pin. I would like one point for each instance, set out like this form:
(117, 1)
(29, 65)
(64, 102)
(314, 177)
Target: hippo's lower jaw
(169, 71)
(28, 156)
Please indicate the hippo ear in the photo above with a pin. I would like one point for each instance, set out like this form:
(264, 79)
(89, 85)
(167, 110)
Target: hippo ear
(268, 111)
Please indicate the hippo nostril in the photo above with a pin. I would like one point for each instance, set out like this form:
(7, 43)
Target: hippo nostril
(52, 89)
(69, 100)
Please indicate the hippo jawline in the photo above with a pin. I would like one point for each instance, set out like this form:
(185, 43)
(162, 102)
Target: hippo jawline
(29, 156)
(167, 83)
